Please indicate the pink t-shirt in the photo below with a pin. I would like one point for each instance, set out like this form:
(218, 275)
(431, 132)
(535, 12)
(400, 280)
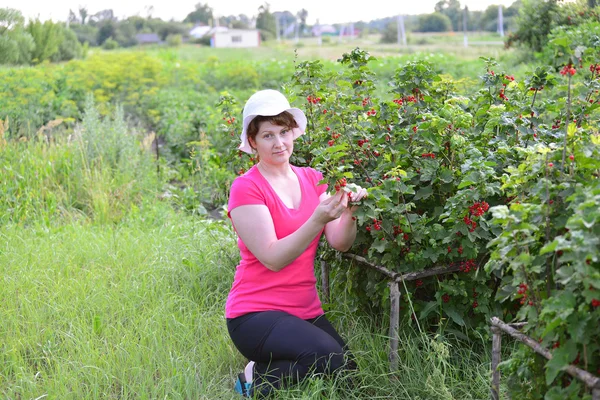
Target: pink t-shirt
(292, 289)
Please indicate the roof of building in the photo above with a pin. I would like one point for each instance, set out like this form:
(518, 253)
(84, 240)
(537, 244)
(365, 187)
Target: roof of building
(147, 38)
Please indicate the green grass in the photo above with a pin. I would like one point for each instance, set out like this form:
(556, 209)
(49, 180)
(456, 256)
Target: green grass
(135, 311)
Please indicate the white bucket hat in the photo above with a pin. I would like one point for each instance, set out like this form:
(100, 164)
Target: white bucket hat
(266, 103)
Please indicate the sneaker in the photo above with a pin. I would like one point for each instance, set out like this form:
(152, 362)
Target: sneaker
(244, 380)
(249, 371)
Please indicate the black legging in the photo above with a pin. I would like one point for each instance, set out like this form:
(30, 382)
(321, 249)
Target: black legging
(285, 347)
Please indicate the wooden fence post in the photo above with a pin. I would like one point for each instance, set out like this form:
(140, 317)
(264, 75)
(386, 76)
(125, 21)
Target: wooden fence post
(325, 280)
(496, 343)
(394, 324)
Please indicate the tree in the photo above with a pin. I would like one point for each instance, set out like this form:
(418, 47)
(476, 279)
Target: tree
(171, 28)
(69, 47)
(10, 18)
(265, 22)
(107, 30)
(102, 16)
(47, 37)
(236, 22)
(16, 44)
(83, 13)
(535, 21)
(302, 15)
(451, 9)
(85, 33)
(489, 19)
(202, 14)
(435, 22)
(390, 33)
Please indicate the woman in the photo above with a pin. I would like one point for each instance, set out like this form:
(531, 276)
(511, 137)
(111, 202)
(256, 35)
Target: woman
(279, 211)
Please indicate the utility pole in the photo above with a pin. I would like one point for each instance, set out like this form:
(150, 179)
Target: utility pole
(500, 22)
(401, 31)
(319, 39)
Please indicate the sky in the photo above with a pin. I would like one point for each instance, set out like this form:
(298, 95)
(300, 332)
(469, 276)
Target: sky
(326, 11)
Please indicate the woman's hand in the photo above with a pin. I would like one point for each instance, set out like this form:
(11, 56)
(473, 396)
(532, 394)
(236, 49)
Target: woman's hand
(331, 208)
(354, 194)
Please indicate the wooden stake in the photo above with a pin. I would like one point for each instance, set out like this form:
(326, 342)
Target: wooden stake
(410, 276)
(394, 324)
(496, 343)
(591, 381)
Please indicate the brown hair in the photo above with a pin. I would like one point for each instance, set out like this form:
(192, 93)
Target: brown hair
(284, 119)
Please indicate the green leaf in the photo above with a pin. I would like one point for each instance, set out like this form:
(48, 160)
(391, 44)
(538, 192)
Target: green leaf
(465, 183)
(430, 306)
(379, 245)
(550, 247)
(560, 359)
(446, 175)
(424, 193)
(452, 313)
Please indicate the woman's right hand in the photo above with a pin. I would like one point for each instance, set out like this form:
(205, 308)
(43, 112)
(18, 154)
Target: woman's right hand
(331, 208)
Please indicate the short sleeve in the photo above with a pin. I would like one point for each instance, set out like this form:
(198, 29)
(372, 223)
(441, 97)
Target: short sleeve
(244, 192)
(318, 178)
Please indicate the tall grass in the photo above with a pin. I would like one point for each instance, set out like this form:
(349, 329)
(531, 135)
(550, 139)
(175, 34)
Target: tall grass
(99, 173)
(135, 310)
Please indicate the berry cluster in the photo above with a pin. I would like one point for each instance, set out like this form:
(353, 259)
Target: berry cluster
(568, 69)
(397, 230)
(428, 155)
(523, 289)
(365, 101)
(229, 120)
(313, 100)
(415, 128)
(502, 95)
(371, 112)
(595, 303)
(479, 208)
(509, 77)
(419, 283)
(469, 222)
(446, 298)
(467, 265)
(595, 68)
(376, 224)
(556, 124)
(340, 184)
(409, 99)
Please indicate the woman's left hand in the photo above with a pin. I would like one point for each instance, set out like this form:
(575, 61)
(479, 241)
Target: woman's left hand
(355, 194)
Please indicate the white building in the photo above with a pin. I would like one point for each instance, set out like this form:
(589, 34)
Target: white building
(236, 38)
(201, 30)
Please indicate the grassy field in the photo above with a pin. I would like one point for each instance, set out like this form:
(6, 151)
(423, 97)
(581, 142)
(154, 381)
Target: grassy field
(135, 311)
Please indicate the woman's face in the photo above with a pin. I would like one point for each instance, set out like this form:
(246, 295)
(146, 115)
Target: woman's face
(274, 144)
